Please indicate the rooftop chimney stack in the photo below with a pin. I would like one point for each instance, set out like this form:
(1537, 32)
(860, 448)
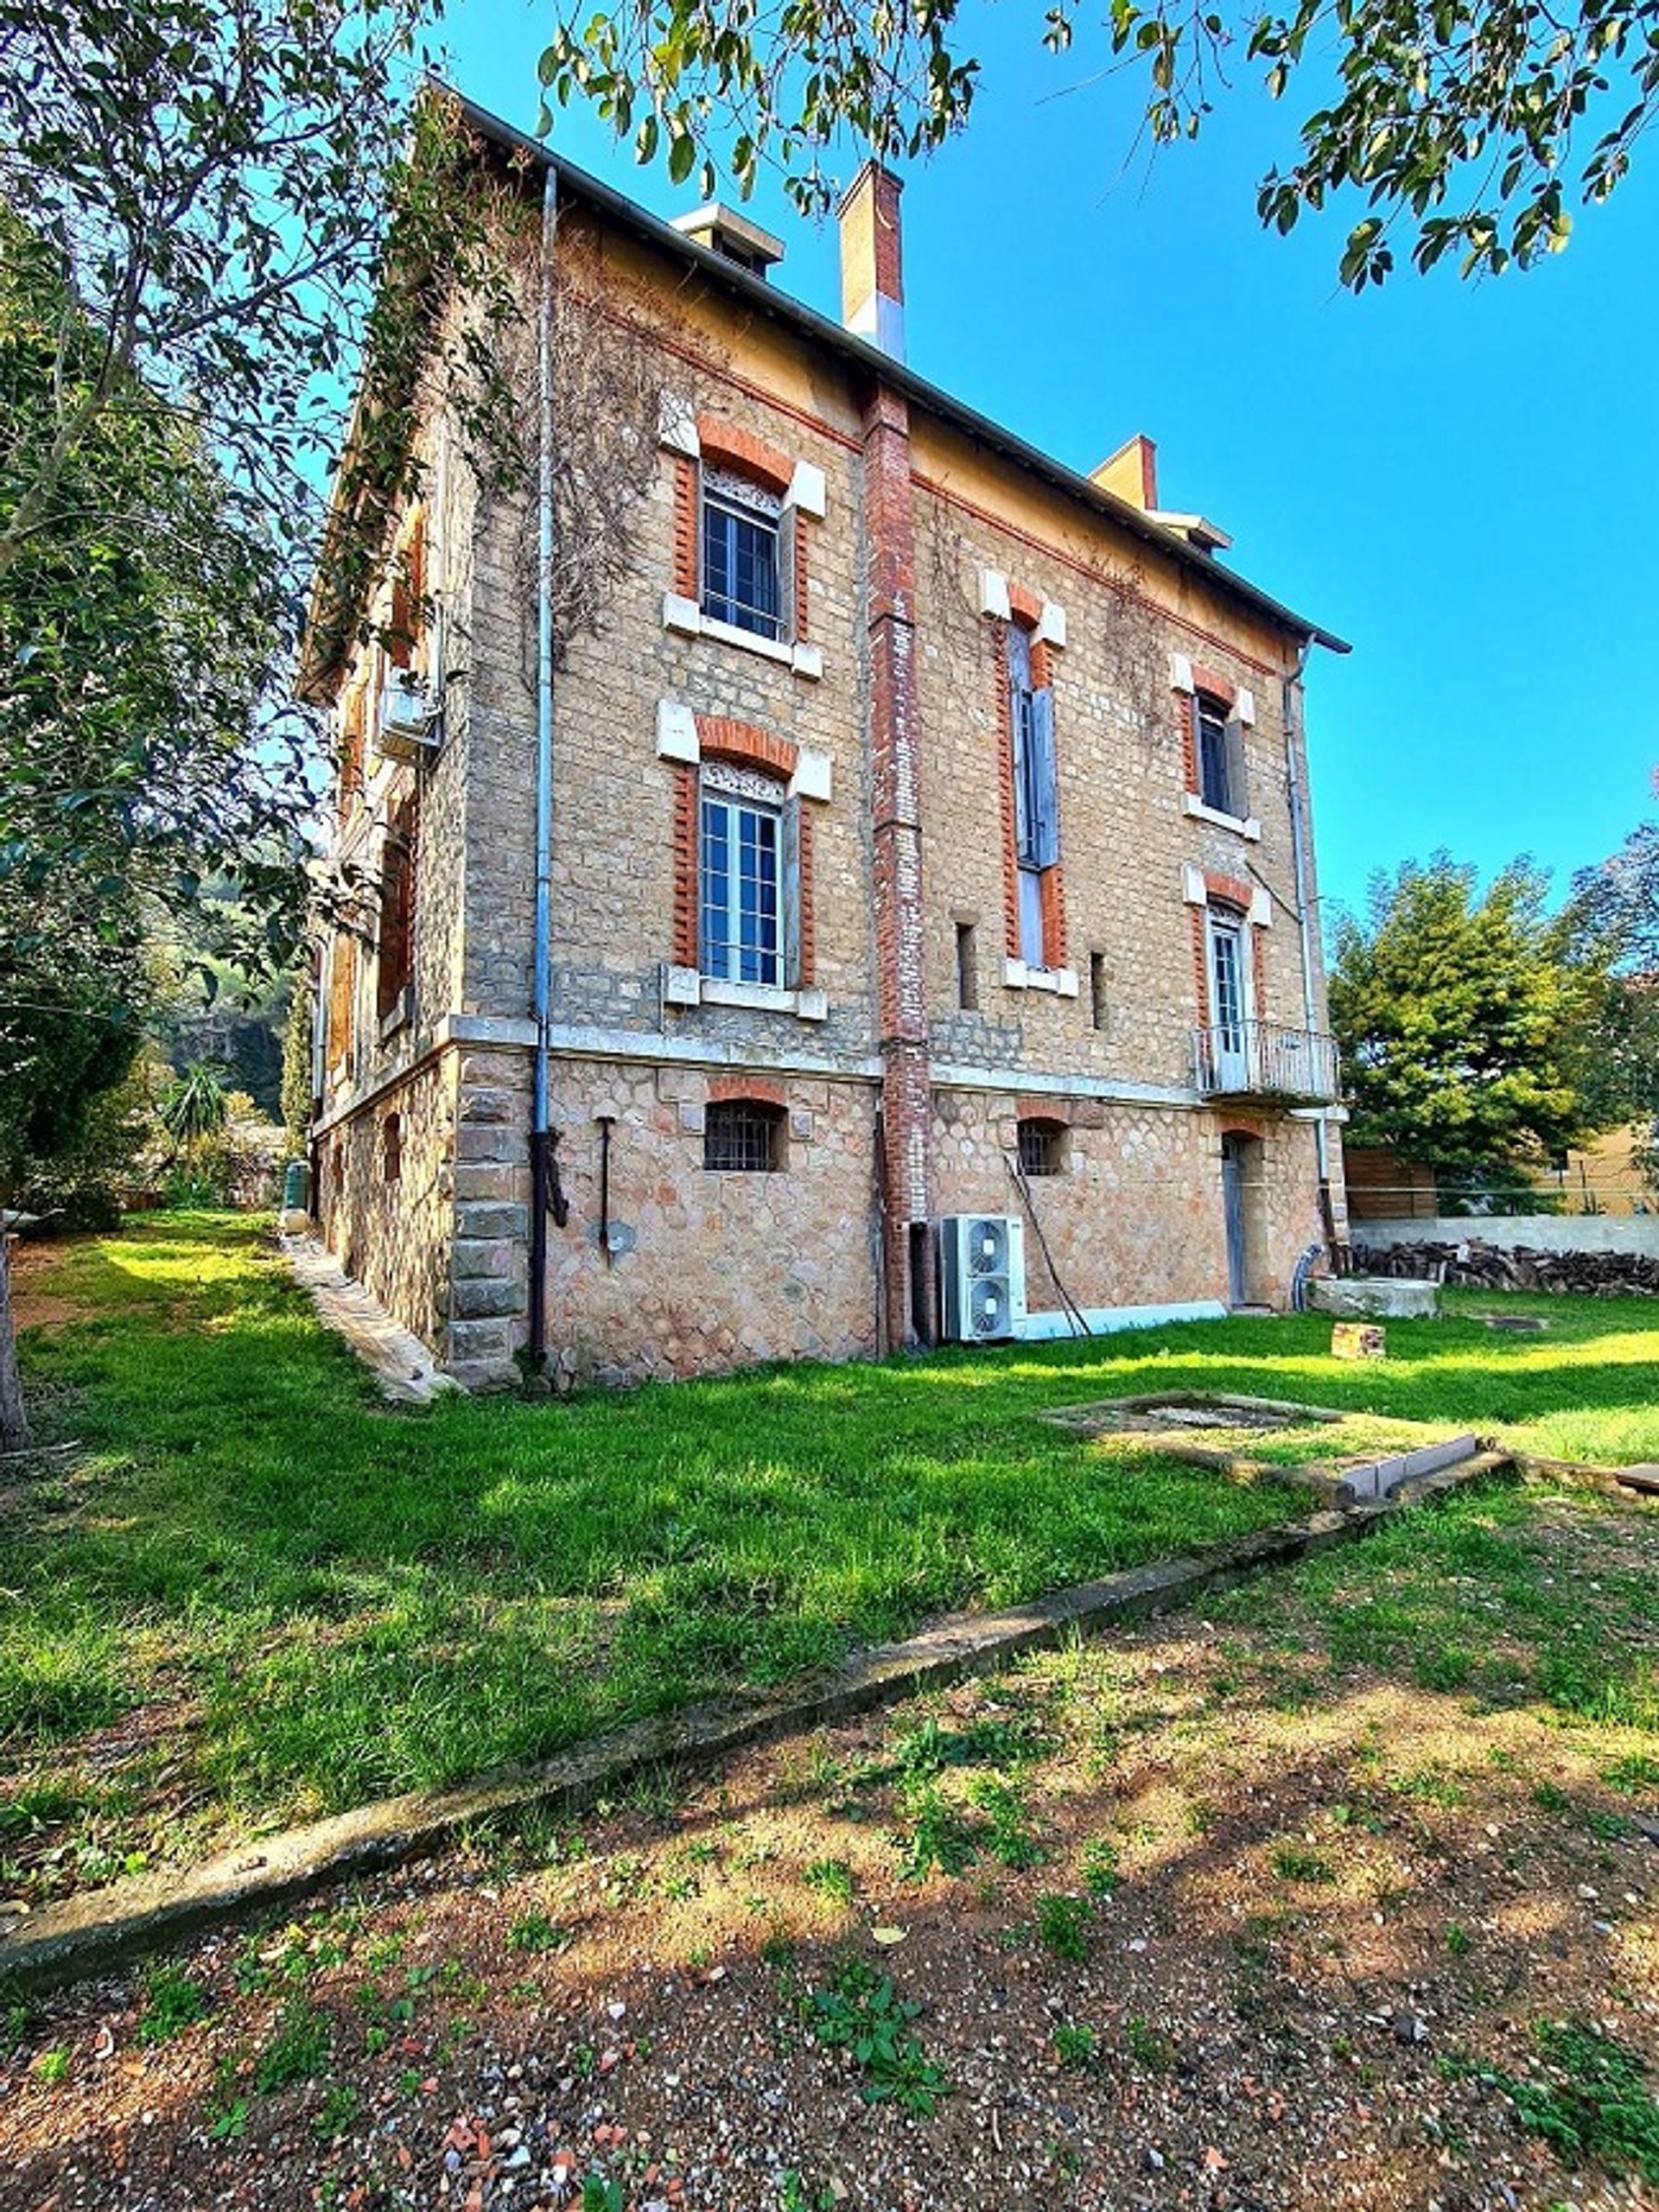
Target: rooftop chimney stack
(872, 261)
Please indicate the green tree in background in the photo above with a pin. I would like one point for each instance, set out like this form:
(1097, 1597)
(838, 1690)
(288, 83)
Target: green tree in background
(1462, 1018)
(1463, 125)
(1614, 916)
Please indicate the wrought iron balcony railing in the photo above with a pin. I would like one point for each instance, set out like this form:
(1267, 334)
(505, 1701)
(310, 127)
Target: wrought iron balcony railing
(1257, 1059)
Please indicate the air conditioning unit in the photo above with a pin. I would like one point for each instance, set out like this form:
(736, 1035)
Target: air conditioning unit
(407, 727)
(981, 1277)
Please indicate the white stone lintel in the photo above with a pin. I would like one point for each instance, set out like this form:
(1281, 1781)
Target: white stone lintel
(681, 986)
(813, 774)
(682, 614)
(1180, 673)
(1244, 708)
(1193, 890)
(677, 426)
(993, 595)
(1050, 627)
(676, 732)
(807, 489)
(1261, 907)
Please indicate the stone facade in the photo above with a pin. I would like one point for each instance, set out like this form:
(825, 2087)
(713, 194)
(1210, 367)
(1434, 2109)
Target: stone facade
(905, 1039)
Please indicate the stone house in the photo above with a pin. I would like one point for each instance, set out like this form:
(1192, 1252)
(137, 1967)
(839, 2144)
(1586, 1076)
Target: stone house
(907, 872)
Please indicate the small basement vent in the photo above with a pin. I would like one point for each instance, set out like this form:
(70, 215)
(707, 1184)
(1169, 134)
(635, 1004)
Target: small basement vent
(981, 1277)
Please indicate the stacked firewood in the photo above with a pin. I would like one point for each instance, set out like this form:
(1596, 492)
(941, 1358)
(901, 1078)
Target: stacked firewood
(1494, 1267)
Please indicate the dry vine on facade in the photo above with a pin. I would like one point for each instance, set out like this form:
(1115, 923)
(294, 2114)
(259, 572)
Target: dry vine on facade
(843, 880)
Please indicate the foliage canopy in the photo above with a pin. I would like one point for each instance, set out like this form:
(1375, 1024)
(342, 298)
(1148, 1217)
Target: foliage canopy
(1461, 123)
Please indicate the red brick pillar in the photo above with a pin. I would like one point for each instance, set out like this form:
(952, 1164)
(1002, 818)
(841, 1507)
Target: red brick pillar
(901, 1005)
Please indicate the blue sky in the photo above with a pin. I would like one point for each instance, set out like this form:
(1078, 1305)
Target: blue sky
(1454, 477)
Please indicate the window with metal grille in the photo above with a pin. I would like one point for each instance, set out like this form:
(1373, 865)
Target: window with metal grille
(1042, 1147)
(743, 1136)
(1221, 783)
(742, 570)
(741, 916)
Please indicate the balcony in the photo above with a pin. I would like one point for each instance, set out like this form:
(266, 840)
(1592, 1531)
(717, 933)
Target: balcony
(1256, 1059)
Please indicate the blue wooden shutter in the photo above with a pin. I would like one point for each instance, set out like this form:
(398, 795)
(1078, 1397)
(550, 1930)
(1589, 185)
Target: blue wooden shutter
(789, 894)
(789, 615)
(1238, 797)
(1045, 794)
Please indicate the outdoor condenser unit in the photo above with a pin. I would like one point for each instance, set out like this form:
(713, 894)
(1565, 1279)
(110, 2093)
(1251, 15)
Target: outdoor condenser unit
(408, 724)
(981, 1277)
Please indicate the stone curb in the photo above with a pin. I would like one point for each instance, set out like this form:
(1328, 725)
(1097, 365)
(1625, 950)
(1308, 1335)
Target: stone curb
(104, 1929)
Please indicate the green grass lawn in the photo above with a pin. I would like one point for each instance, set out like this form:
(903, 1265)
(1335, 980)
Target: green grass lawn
(258, 1593)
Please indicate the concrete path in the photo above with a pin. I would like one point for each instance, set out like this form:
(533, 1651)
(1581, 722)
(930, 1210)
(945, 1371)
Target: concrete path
(400, 1362)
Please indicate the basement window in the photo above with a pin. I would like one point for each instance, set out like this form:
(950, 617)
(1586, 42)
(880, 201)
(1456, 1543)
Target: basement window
(1042, 1146)
(743, 1136)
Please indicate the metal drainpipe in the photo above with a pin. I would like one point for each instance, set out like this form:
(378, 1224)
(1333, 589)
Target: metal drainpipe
(540, 1137)
(1305, 921)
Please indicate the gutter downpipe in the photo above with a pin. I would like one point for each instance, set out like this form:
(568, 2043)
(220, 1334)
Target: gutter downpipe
(540, 1134)
(1292, 685)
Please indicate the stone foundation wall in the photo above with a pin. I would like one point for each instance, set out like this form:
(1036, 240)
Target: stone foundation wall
(393, 1232)
(709, 1270)
(1135, 1215)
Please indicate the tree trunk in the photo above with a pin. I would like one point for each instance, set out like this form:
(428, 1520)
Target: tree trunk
(14, 1424)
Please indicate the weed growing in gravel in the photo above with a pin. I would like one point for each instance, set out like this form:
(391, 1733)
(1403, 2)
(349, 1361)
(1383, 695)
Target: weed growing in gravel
(1063, 1923)
(535, 1932)
(1596, 2107)
(1075, 2045)
(794, 2196)
(53, 2066)
(300, 2050)
(1457, 1939)
(941, 1835)
(175, 2003)
(831, 1877)
(337, 2113)
(1003, 1804)
(1101, 1869)
(1636, 1771)
(1294, 1862)
(1148, 2046)
(862, 2013)
(599, 2194)
(14, 2023)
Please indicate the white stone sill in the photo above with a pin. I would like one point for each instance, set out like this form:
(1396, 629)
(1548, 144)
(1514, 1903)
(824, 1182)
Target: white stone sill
(1242, 826)
(1018, 976)
(685, 987)
(686, 617)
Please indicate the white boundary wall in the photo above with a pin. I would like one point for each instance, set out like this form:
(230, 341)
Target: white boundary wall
(1539, 1232)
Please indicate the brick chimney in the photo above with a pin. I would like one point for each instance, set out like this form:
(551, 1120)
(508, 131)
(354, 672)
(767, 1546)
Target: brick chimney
(872, 263)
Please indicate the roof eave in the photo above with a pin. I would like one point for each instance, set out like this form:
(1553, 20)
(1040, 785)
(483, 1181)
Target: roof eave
(769, 301)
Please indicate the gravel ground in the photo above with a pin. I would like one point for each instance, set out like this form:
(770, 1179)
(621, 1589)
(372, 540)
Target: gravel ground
(1199, 1917)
